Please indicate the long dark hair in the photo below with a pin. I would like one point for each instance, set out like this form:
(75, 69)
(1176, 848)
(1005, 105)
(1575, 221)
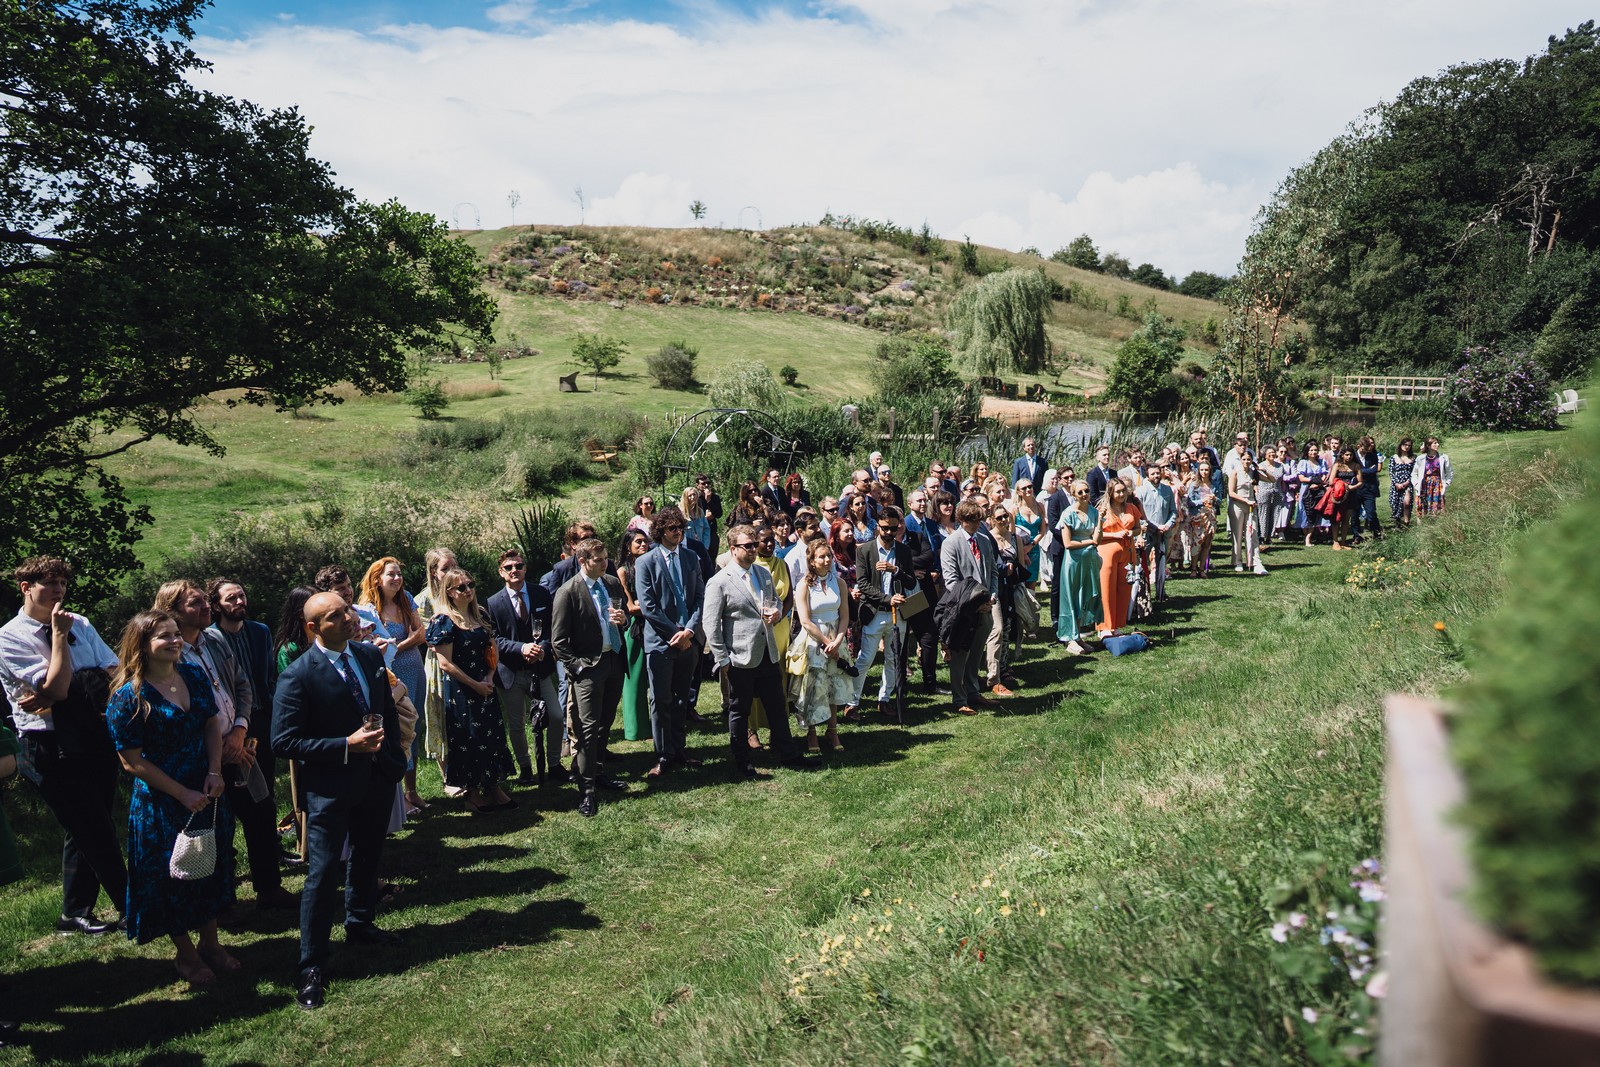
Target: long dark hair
(292, 620)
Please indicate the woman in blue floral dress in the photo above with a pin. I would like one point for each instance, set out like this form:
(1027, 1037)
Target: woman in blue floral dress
(389, 610)
(163, 722)
(475, 730)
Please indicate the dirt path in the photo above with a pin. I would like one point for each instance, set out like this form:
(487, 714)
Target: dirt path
(1014, 411)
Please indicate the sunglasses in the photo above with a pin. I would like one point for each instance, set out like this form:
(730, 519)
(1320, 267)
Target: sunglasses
(512, 566)
(745, 544)
(887, 527)
(464, 588)
(674, 528)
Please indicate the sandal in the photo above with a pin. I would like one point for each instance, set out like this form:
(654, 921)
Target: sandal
(219, 960)
(753, 741)
(196, 973)
(415, 803)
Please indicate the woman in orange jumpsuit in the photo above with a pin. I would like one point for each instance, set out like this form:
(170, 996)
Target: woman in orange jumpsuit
(1115, 534)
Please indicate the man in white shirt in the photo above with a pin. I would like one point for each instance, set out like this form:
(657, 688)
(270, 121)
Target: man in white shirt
(54, 667)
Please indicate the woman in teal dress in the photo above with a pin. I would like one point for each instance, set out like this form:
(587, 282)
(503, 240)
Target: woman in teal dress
(635, 685)
(1079, 612)
(163, 722)
(1030, 520)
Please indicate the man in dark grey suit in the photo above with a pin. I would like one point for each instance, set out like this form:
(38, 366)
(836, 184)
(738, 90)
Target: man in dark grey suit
(586, 635)
(670, 588)
(968, 554)
(333, 714)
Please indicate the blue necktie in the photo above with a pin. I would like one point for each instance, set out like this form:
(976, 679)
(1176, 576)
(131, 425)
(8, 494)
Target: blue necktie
(613, 638)
(352, 684)
(677, 586)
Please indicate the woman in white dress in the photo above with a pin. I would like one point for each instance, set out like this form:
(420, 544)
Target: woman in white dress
(823, 611)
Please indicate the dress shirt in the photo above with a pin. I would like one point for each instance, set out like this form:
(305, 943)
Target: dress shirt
(333, 658)
(602, 608)
(199, 656)
(25, 660)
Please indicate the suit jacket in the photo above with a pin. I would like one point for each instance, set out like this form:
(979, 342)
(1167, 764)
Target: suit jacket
(510, 634)
(1098, 479)
(658, 600)
(774, 497)
(1029, 467)
(259, 664)
(956, 561)
(734, 626)
(869, 581)
(576, 635)
(313, 711)
(233, 676)
(1055, 506)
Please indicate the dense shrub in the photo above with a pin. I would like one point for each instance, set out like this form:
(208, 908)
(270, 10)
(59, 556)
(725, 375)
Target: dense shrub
(1493, 390)
(1141, 377)
(1526, 742)
(672, 365)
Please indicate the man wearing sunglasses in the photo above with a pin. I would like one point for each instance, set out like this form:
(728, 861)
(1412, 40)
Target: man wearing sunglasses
(884, 574)
(526, 669)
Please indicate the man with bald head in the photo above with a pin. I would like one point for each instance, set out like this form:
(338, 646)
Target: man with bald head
(334, 715)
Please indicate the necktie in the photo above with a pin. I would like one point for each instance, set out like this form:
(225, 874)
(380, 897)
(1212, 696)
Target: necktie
(977, 555)
(613, 638)
(348, 669)
(516, 600)
(677, 586)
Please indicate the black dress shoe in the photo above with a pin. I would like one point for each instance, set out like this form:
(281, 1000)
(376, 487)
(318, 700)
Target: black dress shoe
(697, 719)
(589, 806)
(689, 761)
(369, 934)
(612, 785)
(526, 778)
(507, 806)
(291, 860)
(747, 771)
(10, 1033)
(801, 763)
(309, 990)
(83, 924)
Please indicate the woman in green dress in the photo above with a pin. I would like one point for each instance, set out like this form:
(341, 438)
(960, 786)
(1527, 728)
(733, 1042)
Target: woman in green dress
(635, 684)
(1079, 612)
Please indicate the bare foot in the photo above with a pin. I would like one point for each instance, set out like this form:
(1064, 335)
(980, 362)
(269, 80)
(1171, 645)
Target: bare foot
(194, 971)
(220, 961)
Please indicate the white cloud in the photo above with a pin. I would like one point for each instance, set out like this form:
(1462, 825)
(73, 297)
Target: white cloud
(1156, 127)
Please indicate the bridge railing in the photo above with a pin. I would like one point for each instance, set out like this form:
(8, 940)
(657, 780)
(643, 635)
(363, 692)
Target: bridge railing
(1384, 387)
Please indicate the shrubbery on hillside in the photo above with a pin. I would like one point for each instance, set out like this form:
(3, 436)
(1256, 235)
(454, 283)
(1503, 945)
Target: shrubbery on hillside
(1493, 390)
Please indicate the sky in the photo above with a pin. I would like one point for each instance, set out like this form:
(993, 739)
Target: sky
(1158, 127)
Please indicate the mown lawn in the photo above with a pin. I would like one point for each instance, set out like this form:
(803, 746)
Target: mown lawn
(1078, 877)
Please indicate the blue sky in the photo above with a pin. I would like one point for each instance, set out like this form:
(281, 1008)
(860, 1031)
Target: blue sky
(1158, 127)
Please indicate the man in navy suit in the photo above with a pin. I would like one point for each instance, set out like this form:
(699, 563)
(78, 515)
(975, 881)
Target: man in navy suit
(334, 715)
(1028, 467)
(586, 635)
(526, 670)
(671, 590)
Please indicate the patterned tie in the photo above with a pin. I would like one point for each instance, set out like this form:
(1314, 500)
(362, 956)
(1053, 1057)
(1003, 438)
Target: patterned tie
(613, 638)
(351, 683)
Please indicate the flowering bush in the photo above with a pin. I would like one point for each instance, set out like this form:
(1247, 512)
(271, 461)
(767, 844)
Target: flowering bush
(1493, 390)
(1383, 573)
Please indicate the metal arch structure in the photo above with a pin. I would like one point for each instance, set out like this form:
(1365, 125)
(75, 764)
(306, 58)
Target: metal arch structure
(700, 429)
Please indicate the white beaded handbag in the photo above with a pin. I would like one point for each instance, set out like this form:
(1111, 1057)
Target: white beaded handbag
(194, 853)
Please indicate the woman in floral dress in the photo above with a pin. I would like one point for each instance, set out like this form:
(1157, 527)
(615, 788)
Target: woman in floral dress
(1401, 497)
(1431, 478)
(163, 722)
(822, 614)
(463, 637)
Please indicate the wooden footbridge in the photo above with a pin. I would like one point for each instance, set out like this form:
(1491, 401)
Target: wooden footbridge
(1383, 387)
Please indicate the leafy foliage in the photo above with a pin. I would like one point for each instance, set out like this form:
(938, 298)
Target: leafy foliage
(1141, 377)
(1525, 743)
(162, 244)
(789, 373)
(672, 365)
(999, 323)
(427, 395)
(745, 383)
(597, 353)
(1079, 252)
(1493, 390)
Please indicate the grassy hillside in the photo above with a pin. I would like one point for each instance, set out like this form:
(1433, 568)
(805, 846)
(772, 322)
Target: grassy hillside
(277, 461)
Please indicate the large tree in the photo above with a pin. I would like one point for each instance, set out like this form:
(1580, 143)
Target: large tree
(998, 322)
(159, 244)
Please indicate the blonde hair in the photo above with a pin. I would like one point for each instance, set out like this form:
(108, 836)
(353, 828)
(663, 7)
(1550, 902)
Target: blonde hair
(474, 615)
(372, 593)
(434, 559)
(172, 593)
(134, 650)
(689, 502)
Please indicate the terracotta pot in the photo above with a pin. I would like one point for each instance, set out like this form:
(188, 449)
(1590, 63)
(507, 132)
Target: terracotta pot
(1459, 994)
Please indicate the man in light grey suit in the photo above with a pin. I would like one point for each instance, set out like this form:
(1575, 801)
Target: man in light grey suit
(969, 555)
(671, 589)
(740, 607)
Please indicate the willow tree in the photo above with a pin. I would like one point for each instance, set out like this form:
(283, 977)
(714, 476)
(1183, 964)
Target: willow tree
(998, 323)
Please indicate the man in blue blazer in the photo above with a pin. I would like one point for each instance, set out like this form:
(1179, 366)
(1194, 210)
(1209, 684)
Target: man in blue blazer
(526, 668)
(1028, 466)
(671, 591)
(349, 764)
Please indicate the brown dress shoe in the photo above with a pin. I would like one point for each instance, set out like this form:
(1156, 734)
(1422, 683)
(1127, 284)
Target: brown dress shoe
(999, 689)
(965, 710)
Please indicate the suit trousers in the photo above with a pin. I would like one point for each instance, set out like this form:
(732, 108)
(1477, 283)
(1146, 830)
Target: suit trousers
(764, 681)
(672, 676)
(328, 823)
(1057, 576)
(515, 702)
(964, 663)
(595, 695)
(81, 792)
(925, 634)
(996, 649)
(1239, 519)
(259, 821)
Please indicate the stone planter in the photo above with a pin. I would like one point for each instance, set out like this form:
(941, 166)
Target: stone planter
(1459, 995)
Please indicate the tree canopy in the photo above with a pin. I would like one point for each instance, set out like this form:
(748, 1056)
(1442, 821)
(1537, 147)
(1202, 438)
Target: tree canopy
(1141, 376)
(158, 244)
(999, 320)
(1464, 212)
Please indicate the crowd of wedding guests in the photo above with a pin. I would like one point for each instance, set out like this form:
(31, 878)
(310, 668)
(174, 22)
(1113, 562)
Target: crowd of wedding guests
(784, 602)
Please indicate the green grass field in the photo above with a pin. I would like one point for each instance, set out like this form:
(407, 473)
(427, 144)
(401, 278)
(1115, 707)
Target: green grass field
(1078, 877)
